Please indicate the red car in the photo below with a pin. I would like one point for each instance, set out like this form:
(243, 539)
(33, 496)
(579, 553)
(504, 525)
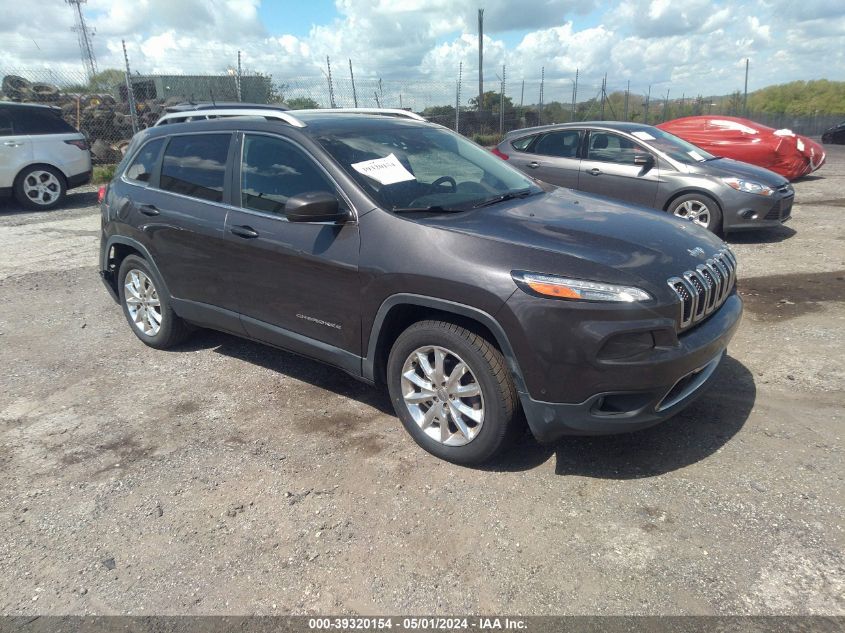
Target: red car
(781, 151)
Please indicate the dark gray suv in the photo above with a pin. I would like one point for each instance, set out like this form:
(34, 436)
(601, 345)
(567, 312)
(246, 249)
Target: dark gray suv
(404, 254)
(647, 166)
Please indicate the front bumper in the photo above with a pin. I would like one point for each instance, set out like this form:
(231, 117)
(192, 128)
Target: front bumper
(675, 383)
(758, 211)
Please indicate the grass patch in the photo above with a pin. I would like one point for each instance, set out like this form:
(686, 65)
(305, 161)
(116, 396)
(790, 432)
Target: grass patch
(487, 139)
(103, 174)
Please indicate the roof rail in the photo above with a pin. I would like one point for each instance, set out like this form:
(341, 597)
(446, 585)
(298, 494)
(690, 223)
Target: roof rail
(383, 111)
(286, 116)
(221, 113)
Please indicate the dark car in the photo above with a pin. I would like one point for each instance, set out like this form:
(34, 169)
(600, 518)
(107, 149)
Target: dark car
(402, 253)
(834, 135)
(648, 166)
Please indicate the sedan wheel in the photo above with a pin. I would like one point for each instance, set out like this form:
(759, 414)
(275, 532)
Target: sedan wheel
(696, 211)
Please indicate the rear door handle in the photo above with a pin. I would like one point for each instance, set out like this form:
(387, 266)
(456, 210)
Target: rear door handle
(595, 171)
(533, 164)
(244, 231)
(12, 144)
(148, 209)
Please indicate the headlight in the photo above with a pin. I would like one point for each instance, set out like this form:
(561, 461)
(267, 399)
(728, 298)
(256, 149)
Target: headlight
(748, 186)
(579, 289)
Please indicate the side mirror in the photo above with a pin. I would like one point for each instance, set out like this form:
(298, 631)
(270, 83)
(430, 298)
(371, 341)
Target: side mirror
(643, 159)
(314, 206)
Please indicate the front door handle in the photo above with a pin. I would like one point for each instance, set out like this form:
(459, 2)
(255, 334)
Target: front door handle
(12, 144)
(148, 209)
(595, 171)
(244, 231)
(533, 164)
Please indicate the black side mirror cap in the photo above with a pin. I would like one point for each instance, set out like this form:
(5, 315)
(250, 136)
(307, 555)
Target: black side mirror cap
(315, 206)
(643, 159)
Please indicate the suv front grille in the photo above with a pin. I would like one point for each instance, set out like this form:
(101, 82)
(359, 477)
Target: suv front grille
(702, 290)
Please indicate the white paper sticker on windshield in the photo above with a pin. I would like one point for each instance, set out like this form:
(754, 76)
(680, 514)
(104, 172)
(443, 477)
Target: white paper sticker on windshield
(645, 136)
(696, 156)
(387, 170)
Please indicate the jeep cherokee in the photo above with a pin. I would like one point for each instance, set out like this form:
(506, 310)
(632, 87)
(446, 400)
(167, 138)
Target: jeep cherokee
(402, 253)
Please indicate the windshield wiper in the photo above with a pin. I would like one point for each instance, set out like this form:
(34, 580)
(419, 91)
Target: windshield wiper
(510, 195)
(432, 209)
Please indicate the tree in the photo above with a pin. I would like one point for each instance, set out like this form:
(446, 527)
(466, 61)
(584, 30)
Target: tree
(491, 102)
(302, 103)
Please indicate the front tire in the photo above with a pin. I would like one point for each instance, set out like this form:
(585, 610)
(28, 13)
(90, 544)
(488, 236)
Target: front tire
(40, 187)
(146, 305)
(453, 392)
(698, 209)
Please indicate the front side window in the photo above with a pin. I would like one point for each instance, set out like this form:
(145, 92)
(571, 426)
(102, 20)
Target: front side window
(563, 144)
(612, 148)
(273, 170)
(141, 169)
(405, 167)
(195, 165)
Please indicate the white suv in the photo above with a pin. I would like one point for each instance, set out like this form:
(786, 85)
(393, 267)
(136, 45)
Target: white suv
(41, 156)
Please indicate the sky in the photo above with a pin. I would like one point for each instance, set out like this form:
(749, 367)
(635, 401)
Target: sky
(687, 47)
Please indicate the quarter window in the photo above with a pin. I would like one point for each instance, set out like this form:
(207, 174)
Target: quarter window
(274, 170)
(522, 144)
(563, 144)
(195, 165)
(5, 124)
(141, 169)
(36, 120)
(612, 148)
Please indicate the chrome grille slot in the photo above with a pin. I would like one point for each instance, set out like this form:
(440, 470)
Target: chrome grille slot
(703, 290)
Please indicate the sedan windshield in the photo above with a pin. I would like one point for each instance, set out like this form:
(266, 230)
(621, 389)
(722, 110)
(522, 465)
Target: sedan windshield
(424, 168)
(674, 147)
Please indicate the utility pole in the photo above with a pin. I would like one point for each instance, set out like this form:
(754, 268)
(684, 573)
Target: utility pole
(480, 59)
(542, 86)
(458, 98)
(352, 77)
(84, 33)
(331, 86)
(522, 101)
(645, 110)
(603, 96)
(575, 96)
(666, 106)
(238, 78)
(627, 92)
(745, 96)
(130, 93)
(502, 104)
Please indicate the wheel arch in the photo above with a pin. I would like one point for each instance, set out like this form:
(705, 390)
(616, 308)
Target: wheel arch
(719, 230)
(400, 311)
(117, 248)
(39, 163)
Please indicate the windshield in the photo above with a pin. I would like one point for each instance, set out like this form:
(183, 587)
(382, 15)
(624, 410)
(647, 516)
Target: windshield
(675, 148)
(408, 168)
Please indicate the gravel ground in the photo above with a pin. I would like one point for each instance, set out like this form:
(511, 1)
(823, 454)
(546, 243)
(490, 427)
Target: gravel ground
(229, 478)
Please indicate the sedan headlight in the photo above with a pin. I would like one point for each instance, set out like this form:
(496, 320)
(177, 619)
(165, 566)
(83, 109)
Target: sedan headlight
(749, 186)
(578, 289)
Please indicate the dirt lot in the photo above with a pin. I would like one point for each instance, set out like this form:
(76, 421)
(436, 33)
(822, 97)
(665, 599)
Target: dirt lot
(225, 477)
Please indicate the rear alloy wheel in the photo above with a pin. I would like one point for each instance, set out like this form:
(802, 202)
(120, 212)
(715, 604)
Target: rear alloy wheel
(699, 210)
(453, 391)
(40, 187)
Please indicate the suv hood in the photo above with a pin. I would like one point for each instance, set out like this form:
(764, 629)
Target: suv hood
(628, 243)
(727, 167)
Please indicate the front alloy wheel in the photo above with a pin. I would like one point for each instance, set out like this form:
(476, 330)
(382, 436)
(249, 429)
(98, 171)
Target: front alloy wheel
(442, 395)
(142, 302)
(695, 211)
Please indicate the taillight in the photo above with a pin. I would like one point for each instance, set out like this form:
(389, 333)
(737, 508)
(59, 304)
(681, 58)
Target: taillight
(101, 193)
(81, 144)
(500, 154)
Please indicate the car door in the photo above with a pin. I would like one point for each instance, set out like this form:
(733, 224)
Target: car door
(297, 282)
(180, 215)
(612, 167)
(15, 148)
(553, 158)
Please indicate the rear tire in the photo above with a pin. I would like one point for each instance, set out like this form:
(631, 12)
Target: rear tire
(40, 187)
(147, 307)
(453, 392)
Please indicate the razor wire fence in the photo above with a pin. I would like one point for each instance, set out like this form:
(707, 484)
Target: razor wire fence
(113, 104)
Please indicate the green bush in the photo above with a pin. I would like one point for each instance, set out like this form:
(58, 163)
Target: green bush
(487, 139)
(103, 174)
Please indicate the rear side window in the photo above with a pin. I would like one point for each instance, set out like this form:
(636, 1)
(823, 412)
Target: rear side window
(273, 171)
(5, 124)
(522, 144)
(37, 121)
(195, 165)
(563, 144)
(141, 169)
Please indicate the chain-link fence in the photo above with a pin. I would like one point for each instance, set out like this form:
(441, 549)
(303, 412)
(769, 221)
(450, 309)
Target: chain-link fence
(112, 105)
